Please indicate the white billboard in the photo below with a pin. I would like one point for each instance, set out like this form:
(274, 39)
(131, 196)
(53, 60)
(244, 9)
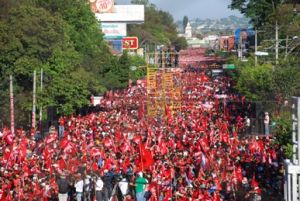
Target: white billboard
(124, 13)
(114, 30)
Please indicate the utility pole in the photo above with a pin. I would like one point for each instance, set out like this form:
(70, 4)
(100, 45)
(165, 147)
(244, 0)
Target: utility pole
(12, 116)
(276, 43)
(241, 47)
(34, 101)
(286, 47)
(41, 107)
(255, 49)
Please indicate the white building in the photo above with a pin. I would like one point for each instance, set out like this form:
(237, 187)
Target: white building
(188, 31)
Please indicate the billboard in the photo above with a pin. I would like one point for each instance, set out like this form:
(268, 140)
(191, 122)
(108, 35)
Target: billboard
(114, 30)
(124, 13)
(102, 6)
(115, 45)
(130, 43)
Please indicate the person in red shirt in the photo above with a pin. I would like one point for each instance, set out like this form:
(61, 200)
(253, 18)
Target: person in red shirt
(61, 127)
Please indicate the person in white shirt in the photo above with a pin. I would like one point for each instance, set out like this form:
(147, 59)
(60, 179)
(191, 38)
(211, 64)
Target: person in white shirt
(266, 123)
(247, 125)
(99, 188)
(123, 185)
(79, 189)
(87, 188)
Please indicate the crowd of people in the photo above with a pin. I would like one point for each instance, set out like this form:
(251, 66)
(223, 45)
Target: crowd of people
(121, 153)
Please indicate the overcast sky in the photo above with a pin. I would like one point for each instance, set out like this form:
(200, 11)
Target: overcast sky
(193, 8)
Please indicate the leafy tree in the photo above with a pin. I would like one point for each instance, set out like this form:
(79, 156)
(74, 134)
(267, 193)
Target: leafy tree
(180, 43)
(159, 28)
(32, 38)
(140, 64)
(64, 39)
(255, 83)
(283, 133)
(258, 11)
(285, 82)
(84, 32)
(118, 76)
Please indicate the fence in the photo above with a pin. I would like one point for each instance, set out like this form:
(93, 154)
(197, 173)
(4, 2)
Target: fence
(292, 169)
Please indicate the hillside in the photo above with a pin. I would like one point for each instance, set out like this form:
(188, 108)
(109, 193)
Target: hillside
(216, 26)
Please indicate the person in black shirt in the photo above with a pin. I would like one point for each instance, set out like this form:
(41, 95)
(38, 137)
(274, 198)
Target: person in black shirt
(63, 187)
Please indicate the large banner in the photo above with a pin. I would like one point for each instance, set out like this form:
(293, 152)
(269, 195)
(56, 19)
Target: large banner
(102, 6)
(123, 13)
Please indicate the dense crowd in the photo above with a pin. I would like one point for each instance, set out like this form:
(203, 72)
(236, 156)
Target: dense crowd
(121, 153)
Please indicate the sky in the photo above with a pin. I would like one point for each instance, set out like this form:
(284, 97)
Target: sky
(193, 8)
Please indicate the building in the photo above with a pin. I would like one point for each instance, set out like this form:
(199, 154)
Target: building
(188, 31)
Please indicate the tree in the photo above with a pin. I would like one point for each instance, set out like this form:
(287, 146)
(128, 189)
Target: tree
(84, 32)
(159, 28)
(140, 64)
(32, 38)
(255, 83)
(257, 11)
(62, 38)
(185, 21)
(180, 43)
(285, 82)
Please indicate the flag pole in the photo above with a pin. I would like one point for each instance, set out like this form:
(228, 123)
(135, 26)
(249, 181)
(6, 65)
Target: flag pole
(41, 107)
(34, 102)
(12, 116)
(140, 145)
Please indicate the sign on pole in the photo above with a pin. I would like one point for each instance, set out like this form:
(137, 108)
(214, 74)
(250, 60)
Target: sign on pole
(229, 66)
(130, 43)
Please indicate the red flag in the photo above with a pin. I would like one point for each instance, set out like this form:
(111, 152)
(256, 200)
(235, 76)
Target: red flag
(137, 139)
(141, 111)
(163, 148)
(146, 157)
(9, 138)
(64, 142)
(95, 152)
(52, 137)
(254, 183)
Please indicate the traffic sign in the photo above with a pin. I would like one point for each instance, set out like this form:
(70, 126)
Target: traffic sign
(130, 43)
(228, 66)
(258, 53)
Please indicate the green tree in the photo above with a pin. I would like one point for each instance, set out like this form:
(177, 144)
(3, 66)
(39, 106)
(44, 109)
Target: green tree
(255, 83)
(140, 65)
(62, 38)
(84, 32)
(258, 11)
(159, 29)
(32, 38)
(283, 133)
(285, 82)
